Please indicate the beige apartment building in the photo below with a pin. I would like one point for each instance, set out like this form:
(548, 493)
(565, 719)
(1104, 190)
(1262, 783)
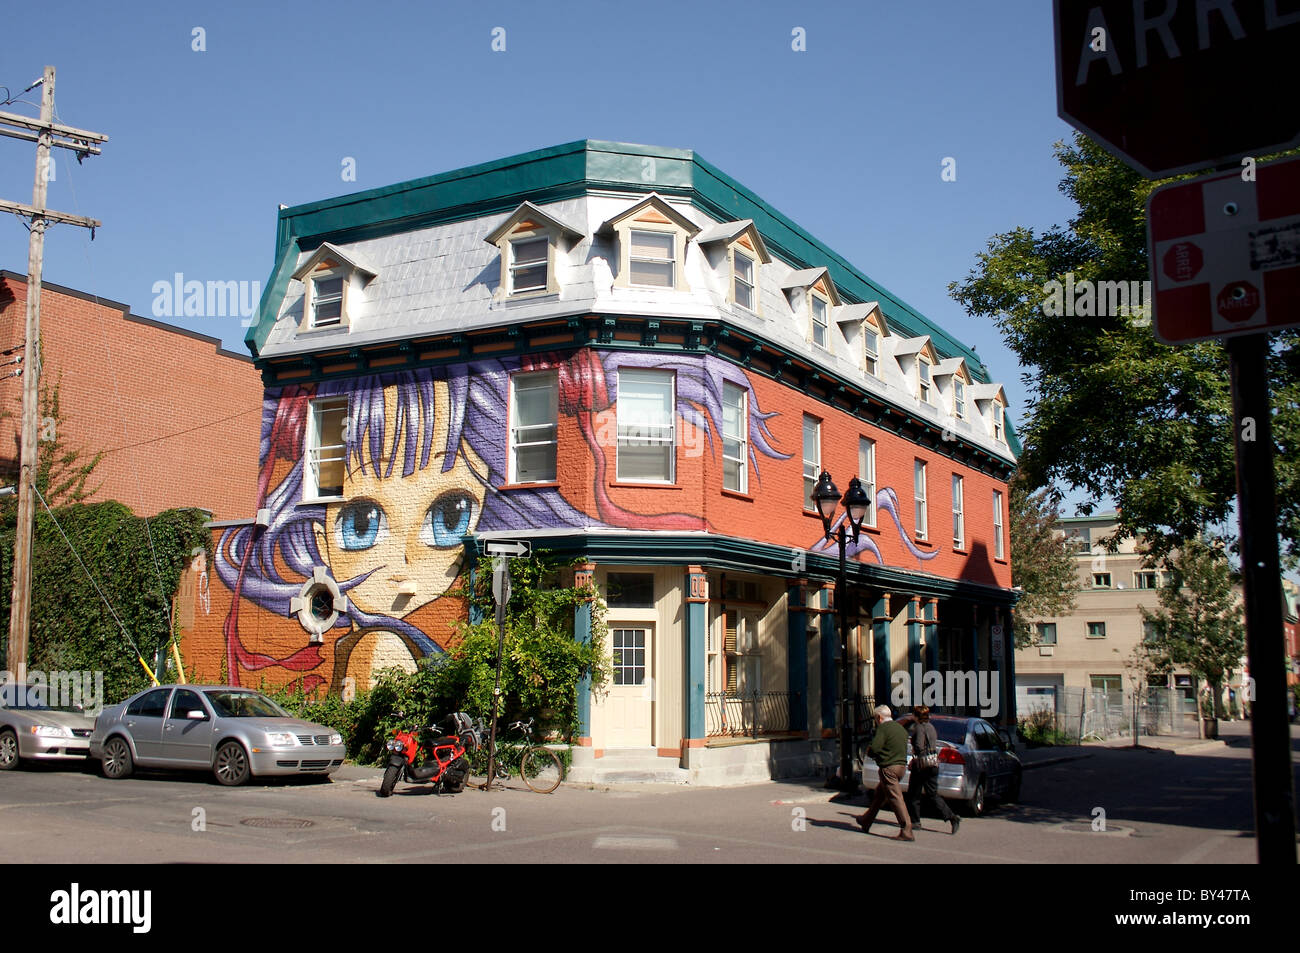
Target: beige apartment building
(1093, 648)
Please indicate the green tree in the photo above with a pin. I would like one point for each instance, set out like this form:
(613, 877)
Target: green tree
(1043, 566)
(1111, 411)
(1199, 623)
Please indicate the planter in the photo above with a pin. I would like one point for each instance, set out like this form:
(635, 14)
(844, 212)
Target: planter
(1210, 727)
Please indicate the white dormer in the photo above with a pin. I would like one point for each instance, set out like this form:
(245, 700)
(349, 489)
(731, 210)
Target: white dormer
(652, 237)
(532, 246)
(334, 283)
(745, 252)
(864, 329)
(812, 296)
(916, 358)
(991, 402)
(953, 381)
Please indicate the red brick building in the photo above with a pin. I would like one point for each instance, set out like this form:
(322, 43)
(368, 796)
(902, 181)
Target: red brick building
(176, 416)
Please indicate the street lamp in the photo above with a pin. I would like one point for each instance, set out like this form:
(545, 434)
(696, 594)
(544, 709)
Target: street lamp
(856, 503)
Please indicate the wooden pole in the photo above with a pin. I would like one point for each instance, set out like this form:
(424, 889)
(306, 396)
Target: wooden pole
(20, 604)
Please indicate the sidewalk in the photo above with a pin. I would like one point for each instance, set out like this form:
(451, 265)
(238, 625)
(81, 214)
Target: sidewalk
(1179, 744)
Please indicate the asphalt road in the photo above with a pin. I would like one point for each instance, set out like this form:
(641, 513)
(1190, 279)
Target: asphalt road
(1190, 806)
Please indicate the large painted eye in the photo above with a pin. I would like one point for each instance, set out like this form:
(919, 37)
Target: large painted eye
(448, 519)
(361, 525)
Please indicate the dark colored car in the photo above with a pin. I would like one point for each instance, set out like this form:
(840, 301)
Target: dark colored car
(975, 762)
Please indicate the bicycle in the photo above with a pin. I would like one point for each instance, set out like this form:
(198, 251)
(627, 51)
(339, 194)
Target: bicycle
(539, 767)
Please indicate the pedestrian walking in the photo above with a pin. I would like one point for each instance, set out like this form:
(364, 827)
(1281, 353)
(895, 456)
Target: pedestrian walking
(888, 749)
(923, 788)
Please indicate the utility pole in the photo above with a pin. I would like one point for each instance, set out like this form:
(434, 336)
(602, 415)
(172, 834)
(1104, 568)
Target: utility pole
(46, 134)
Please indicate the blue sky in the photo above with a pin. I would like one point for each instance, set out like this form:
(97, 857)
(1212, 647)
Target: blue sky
(847, 138)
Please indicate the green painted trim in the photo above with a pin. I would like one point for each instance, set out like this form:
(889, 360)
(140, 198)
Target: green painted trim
(693, 668)
(796, 649)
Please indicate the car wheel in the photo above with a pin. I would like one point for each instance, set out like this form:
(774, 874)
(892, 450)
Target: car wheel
(231, 767)
(116, 762)
(8, 750)
(1013, 792)
(391, 774)
(976, 804)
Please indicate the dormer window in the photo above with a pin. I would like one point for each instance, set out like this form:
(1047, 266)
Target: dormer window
(326, 300)
(958, 398)
(652, 259)
(924, 381)
(997, 421)
(870, 350)
(819, 320)
(529, 265)
(532, 244)
(742, 269)
(334, 283)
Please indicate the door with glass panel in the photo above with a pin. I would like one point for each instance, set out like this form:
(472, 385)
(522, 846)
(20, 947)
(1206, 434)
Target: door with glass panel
(631, 695)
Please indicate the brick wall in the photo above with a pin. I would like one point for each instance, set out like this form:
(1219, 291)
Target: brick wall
(177, 418)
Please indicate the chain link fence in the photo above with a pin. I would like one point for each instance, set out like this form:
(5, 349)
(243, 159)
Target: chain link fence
(1077, 715)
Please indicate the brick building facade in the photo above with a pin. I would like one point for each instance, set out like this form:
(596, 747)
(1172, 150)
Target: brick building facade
(625, 356)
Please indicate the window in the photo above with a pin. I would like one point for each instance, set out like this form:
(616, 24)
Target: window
(629, 656)
(741, 652)
(958, 398)
(997, 421)
(533, 411)
(867, 474)
(923, 379)
(735, 453)
(326, 452)
(819, 321)
(999, 547)
(630, 590)
(1047, 633)
(1096, 630)
(1149, 633)
(529, 264)
(150, 704)
(958, 518)
(1144, 580)
(870, 350)
(743, 272)
(1112, 685)
(645, 426)
(652, 259)
(918, 483)
(1101, 580)
(812, 459)
(327, 300)
(186, 701)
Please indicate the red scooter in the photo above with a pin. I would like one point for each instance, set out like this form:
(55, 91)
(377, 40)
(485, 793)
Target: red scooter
(441, 763)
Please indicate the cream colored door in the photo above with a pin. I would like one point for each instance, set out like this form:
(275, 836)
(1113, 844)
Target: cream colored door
(631, 695)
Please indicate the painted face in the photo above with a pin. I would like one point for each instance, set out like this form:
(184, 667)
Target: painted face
(407, 529)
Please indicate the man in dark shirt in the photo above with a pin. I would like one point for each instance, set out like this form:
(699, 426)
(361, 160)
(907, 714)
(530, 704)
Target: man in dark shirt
(889, 750)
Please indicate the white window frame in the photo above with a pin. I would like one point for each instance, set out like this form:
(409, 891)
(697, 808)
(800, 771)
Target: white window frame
(825, 325)
(924, 380)
(997, 421)
(741, 438)
(513, 267)
(870, 355)
(809, 504)
(958, 397)
(317, 299)
(537, 436)
(999, 545)
(314, 453)
(669, 437)
(672, 259)
(737, 282)
(867, 474)
(919, 478)
(958, 513)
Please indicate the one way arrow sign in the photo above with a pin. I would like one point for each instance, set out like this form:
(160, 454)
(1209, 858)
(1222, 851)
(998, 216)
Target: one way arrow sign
(507, 547)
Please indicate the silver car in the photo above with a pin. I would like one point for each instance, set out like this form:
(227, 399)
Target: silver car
(31, 728)
(233, 732)
(975, 764)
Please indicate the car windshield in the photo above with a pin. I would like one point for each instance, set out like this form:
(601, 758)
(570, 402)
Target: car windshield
(31, 698)
(233, 704)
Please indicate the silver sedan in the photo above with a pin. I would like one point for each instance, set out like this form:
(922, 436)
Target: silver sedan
(32, 729)
(233, 732)
(975, 764)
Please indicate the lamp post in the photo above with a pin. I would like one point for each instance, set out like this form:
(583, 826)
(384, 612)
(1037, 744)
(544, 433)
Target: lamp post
(827, 497)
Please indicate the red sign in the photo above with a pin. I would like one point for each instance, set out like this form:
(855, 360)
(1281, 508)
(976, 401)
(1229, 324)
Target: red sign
(1225, 253)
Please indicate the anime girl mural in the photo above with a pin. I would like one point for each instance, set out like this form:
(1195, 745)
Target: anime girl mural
(424, 456)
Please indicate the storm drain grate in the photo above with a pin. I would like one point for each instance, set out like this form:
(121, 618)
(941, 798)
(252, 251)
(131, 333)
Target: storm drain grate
(280, 823)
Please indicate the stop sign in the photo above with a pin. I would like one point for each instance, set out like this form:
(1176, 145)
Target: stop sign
(1179, 85)
(1238, 302)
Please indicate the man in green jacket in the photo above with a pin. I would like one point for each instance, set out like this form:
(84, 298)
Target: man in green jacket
(889, 750)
